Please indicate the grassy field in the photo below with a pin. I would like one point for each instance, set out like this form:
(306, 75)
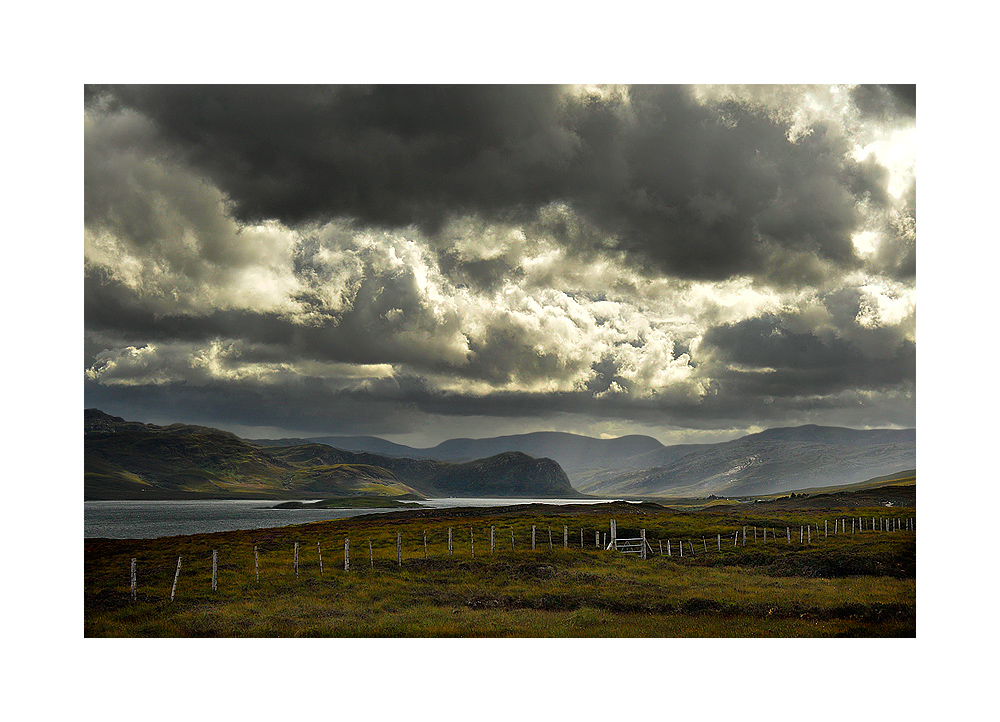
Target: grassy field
(844, 584)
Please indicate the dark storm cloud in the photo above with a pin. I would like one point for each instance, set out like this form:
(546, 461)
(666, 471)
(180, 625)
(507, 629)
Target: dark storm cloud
(308, 406)
(882, 101)
(377, 259)
(702, 191)
(772, 359)
(407, 405)
(691, 190)
(394, 155)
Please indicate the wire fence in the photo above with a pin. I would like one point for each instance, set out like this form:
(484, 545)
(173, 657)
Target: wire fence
(273, 561)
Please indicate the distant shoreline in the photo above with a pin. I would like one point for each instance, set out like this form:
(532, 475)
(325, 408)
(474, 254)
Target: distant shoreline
(354, 502)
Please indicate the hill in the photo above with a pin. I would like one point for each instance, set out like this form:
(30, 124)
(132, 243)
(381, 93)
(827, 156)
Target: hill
(583, 458)
(772, 461)
(124, 459)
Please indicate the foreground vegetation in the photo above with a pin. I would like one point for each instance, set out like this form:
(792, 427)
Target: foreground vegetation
(860, 584)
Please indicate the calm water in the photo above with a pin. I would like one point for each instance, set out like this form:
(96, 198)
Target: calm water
(152, 519)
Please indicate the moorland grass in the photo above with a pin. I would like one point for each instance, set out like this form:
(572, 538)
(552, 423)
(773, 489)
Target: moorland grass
(859, 584)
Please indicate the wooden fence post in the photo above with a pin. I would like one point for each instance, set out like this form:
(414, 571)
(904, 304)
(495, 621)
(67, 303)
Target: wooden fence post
(669, 554)
(177, 574)
(661, 547)
(493, 539)
(788, 533)
(472, 542)
(581, 538)
(826, 529)
(755, 535)
(295, 559)
(215, 570)
(765, 536)
(449, 542)
(704, 544)
(809, 539)
(425, 545)
(532, 537)
(319, 555)
(565, 537)
(680, 546)
(371, 554)
(399, 549)
(597, 539)
(132, 580)
(347, 554)
(512, 538)
(256, 563)
(550, 538)
(718, 541)
(744, 536)
(642, 534)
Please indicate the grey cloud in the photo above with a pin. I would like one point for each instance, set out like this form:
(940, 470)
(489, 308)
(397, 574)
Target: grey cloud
(605, 374)
(389, 155)
(689, 189)
(771, 360)
(408, 405)
(387, 322)
(483, 274)
(898, 255)
(659, 185)
(883, 101)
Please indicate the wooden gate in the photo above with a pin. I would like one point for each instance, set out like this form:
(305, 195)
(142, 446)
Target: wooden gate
(637, 545)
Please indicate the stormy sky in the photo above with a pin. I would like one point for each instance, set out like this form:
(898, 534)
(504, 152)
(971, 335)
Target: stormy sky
(425, 262)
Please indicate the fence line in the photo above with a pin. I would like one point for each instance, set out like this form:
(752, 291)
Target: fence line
(637, 546)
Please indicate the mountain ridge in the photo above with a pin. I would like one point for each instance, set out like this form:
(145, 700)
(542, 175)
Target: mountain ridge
(641, 465)
(124, 459)
(560, 464)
